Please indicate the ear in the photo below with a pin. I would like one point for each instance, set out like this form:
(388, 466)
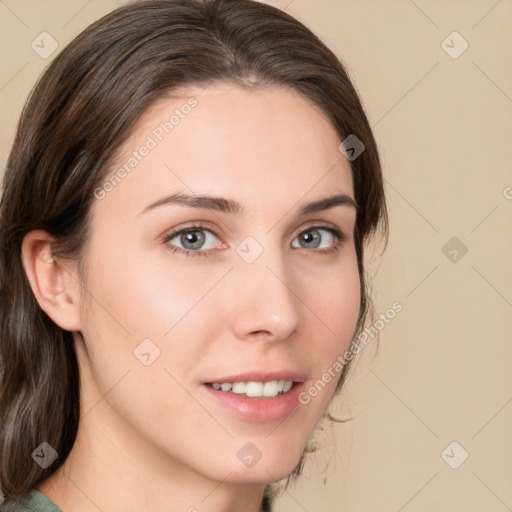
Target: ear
(54, 282)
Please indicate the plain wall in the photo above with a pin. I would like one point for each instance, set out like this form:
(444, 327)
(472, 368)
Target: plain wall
(443, 122)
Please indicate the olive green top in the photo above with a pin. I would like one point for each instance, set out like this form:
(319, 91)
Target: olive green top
(34, 501)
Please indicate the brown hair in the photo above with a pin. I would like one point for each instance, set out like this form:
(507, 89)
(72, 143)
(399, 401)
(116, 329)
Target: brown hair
(79, 113)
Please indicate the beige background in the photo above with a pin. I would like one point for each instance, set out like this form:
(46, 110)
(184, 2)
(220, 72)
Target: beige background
(443, 369)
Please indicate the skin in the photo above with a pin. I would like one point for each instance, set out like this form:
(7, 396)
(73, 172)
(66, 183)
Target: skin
(149, 437)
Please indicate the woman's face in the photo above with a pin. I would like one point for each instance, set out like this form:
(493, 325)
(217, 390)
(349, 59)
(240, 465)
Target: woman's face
(264, 293)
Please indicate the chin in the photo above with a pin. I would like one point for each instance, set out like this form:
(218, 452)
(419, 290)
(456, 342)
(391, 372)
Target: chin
(262, 474)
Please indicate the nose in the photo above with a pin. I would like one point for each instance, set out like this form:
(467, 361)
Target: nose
(264, 304)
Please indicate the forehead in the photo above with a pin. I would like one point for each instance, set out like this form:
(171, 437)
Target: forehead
(259, 145)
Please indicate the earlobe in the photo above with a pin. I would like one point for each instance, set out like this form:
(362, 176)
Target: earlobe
(53, 281)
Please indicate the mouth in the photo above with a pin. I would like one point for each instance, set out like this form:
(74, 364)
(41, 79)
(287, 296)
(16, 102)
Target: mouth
(256, 396)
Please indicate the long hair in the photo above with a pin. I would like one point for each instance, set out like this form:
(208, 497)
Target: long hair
(80, 112)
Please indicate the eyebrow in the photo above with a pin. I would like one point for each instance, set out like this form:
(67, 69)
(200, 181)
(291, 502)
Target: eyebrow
(225, 205)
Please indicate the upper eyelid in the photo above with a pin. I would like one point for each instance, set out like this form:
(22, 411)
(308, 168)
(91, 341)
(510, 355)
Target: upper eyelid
(199, 227)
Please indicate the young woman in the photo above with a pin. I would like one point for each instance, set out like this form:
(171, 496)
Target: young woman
(183, 222)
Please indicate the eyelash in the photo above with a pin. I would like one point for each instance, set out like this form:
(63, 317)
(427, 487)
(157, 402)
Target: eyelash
(339, 239)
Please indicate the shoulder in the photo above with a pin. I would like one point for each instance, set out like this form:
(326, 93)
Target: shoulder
(34, 501)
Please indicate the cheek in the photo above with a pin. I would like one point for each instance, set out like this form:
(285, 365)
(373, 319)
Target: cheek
(138, 306)
(148, 297)
(334, 296)
(334, 299)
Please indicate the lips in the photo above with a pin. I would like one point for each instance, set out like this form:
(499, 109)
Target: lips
(257, 396)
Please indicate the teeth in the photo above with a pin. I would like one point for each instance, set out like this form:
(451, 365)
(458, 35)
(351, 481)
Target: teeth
(255, 389)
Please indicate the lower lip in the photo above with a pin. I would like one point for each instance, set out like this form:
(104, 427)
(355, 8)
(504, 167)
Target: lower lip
(258, 409)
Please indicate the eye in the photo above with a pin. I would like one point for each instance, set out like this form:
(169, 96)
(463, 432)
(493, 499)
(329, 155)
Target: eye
(320, 237)
(192, 240)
